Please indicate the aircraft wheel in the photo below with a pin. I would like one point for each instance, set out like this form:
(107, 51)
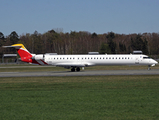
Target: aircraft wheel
(78, 69)
(73, 69)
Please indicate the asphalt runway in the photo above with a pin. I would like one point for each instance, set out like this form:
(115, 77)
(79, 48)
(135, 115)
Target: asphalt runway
(81, 73)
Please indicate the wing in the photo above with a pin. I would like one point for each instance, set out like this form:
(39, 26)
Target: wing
(74, 64)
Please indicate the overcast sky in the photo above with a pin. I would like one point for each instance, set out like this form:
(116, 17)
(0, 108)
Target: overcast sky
(99, 16)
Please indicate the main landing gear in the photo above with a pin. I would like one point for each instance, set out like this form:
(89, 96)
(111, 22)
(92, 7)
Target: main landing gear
(75, 68)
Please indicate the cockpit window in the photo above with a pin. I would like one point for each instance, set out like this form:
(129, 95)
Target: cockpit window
(146, 58)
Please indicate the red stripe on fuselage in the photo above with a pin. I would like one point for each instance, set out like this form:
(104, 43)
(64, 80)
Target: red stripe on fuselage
(44, 62)
(35, 62)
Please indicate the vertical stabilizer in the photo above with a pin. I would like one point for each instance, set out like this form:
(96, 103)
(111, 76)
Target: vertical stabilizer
(22, 51)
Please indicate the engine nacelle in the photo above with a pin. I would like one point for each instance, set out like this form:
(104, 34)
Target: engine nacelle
(38, 57)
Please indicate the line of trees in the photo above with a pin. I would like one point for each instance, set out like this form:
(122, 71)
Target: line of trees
(82, 42)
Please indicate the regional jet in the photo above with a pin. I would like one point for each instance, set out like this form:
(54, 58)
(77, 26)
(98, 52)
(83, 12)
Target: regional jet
(76, 62)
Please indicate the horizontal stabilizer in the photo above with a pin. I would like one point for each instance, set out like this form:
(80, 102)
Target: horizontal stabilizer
(18, 46)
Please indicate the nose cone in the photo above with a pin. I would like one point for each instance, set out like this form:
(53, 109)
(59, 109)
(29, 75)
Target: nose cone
(154, 62)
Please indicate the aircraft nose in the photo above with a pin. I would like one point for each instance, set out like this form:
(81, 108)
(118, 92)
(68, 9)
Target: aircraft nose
(154, 62)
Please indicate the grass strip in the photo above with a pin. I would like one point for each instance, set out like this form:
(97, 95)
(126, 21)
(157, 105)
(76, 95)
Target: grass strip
(81, 98)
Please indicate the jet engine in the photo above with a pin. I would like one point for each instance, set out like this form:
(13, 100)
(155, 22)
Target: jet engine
(38, 57)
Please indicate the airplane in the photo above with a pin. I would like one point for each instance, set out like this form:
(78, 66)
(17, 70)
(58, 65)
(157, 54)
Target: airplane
(76, 62)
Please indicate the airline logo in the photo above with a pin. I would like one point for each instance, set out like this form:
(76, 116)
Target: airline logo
(22, 51)
(26, 56)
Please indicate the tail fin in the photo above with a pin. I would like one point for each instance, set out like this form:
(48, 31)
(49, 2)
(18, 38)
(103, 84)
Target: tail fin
(22, 51)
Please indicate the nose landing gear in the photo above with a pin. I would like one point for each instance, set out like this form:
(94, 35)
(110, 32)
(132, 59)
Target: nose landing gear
(149, 67)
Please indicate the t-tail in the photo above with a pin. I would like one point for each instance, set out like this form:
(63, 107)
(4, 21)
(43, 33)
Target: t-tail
(24, 54)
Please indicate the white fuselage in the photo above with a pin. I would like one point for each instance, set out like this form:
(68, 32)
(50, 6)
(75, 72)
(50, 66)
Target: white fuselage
(75, 62)
(90, 60)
